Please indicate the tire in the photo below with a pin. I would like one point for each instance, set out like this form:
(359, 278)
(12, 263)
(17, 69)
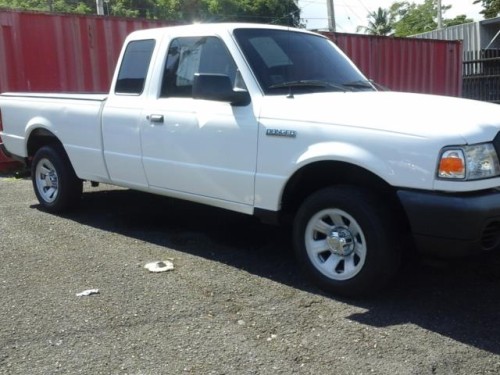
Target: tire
(346, 241)
(56, 185)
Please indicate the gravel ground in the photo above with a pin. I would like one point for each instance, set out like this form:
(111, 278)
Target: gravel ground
(234, 304)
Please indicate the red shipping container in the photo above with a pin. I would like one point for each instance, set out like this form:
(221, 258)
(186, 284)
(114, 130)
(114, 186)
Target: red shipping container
(54, 52)
(7, 164)
(42, 52)
(406, 64)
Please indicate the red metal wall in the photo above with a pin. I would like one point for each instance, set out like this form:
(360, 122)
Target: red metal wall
(48, 52)
(7, 164)
(406, 64)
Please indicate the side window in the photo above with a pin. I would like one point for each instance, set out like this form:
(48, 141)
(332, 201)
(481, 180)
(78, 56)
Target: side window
(187, 56)
(134, 67)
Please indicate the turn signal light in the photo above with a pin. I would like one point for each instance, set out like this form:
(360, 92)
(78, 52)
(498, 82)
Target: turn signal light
(452, 164)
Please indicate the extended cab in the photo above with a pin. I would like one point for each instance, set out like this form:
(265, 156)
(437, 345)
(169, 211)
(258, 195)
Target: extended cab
(274, 122)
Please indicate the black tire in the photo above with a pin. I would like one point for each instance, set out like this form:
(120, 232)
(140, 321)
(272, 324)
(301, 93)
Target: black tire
(56, 185)
(346, 240)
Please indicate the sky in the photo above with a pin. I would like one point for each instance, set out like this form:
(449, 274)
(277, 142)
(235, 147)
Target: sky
(349, 14)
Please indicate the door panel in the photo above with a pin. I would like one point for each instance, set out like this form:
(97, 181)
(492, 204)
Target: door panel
(202, 147)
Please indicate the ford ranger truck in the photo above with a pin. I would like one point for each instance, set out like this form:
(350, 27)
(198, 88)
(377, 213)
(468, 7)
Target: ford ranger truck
(274, 122)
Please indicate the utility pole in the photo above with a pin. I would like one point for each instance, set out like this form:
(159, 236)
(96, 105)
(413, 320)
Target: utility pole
(51, 8)
(100, 7)
(331, 16)
(439, 15)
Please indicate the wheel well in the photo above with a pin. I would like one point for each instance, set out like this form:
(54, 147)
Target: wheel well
(319, 175)
(39, 138)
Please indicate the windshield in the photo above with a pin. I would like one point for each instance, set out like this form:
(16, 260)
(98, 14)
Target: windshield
(285, 61)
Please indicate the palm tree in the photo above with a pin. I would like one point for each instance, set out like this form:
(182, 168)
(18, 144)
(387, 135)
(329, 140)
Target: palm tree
(379, 23)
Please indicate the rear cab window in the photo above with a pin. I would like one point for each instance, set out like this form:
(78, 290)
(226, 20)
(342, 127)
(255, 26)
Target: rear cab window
(134, 67)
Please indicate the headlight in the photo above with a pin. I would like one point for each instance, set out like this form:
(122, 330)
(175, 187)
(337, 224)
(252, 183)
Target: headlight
(469, 162)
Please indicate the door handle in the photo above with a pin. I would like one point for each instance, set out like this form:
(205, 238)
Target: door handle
(157, 119)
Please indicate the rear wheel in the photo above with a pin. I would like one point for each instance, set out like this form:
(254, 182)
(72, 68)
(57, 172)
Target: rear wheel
(55, 183)
(345, 240)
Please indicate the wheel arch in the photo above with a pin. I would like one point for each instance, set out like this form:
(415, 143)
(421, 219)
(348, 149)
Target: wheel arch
(38, 138)
(320, 174)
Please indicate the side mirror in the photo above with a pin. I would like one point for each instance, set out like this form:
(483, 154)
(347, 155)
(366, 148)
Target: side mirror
(218, 87)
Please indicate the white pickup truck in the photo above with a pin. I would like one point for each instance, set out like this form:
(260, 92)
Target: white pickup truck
(278, 123)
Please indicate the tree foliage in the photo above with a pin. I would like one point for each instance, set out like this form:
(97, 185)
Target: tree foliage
(379, 23)
(266, 11)
(458, 20)
(491, 8)
(410, 19)
(284, 12)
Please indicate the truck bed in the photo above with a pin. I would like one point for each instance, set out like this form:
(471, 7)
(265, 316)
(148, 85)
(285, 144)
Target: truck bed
(73, 117)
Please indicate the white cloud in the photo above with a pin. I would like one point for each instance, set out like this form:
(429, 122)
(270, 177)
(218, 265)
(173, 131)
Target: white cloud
(349, 14)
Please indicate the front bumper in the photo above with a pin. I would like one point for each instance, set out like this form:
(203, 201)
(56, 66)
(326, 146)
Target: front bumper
(453, 224)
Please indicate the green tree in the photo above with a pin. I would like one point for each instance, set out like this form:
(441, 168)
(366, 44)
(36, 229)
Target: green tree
(379, 23)
(410, 19)
(285, 12)
(59, 6)
(491, 8)
(458, 20)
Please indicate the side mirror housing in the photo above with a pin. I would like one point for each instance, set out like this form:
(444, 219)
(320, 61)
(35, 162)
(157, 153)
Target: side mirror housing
(218, 87)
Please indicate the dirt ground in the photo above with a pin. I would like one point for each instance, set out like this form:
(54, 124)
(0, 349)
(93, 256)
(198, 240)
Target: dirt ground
(234, 304)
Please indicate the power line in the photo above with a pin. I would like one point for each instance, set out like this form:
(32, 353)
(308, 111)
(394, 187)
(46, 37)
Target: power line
(364, 6)
(352, 11)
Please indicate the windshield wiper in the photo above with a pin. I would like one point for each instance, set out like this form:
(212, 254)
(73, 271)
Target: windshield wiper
(309, 83)
(361, 84)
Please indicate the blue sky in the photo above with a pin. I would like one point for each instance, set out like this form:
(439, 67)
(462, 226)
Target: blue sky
(352, 13)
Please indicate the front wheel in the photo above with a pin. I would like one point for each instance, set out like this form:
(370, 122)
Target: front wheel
(345, 240)
(56, 185)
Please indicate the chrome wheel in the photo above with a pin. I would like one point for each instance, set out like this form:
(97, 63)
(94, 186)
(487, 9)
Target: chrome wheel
(47, 181)
(335, 244)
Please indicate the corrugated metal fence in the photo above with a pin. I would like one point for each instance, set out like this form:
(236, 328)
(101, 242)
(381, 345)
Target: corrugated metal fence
(48, 52)
(51, 52)
(406, 64)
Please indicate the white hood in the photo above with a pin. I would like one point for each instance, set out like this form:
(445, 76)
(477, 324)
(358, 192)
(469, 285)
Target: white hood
(426, 116)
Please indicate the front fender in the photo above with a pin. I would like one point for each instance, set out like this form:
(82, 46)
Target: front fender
(347, 153)
(270, 188)
(394, 164)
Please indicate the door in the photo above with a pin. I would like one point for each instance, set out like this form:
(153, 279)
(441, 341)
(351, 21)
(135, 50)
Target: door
(201, 147)
(121, 117)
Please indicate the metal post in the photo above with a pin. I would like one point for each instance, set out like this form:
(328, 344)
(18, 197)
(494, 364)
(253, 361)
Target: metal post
(439, 15)
(100, 7)
(331, 15)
